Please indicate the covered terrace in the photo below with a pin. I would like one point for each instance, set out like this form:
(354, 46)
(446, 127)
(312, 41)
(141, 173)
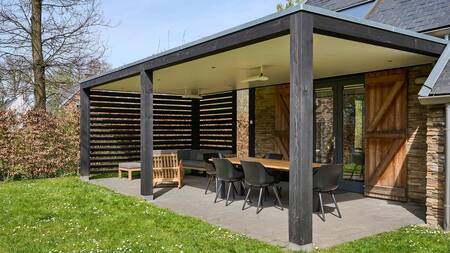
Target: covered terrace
(296, 47)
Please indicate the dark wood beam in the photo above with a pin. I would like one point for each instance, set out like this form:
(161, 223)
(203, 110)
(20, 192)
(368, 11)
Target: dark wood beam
(234, 126)
(85, 144)
(196, 124)
(372, 35)
(251, 122)
(301, 131)
(147, 134)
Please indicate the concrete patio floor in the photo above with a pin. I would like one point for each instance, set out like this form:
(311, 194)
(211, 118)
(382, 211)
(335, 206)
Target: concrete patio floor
(361, 216)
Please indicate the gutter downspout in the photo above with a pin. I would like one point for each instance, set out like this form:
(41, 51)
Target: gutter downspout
(447, 169)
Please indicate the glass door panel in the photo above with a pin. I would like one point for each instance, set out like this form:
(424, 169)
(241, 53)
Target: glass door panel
(324, 126)
(353, 132)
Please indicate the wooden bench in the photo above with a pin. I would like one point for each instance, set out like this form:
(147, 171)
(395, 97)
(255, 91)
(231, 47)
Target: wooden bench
(166, 168)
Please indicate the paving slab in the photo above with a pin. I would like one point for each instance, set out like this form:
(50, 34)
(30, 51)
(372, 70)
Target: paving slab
(362, 216)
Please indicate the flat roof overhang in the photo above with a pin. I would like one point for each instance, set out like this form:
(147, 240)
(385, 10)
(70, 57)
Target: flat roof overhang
(355, 37)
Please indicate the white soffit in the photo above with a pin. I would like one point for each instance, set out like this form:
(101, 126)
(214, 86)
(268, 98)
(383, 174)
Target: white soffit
(225, 71)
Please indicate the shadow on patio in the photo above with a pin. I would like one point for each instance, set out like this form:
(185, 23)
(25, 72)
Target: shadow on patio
(361, 216)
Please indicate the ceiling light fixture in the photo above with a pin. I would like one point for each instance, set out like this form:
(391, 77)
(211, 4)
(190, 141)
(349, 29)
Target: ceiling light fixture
(261, 77)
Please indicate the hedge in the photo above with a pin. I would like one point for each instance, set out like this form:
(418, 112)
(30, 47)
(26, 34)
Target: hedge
(38, 144)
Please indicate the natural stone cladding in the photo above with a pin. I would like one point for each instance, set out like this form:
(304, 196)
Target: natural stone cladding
(417, 136)
(435, 165)
(242, 123)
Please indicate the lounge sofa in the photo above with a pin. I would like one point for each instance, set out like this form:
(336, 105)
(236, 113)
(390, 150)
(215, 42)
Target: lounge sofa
(194, 159)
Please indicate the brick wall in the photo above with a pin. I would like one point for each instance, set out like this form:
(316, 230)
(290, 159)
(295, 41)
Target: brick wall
(435, 165)
(265, 120)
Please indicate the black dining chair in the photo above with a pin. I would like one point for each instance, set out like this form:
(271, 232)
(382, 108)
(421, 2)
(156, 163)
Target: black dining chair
(256, 176)
(227, 173)
(325, 180)
(273, 156)
(279, 175)
(210, 169)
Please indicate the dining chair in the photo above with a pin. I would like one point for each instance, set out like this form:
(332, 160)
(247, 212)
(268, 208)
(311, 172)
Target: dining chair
(273, 156)
(279, 175)
(227, 173)
(256, 176)
(325, 180)
(210, 169)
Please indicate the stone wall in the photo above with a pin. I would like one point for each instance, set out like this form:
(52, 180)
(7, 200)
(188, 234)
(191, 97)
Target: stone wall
(435, 165)
(417, 136)
(242, 123)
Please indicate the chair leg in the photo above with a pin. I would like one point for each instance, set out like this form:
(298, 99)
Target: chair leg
(218, 190)
(247, 197)
(209, 182)
(275, 191)
(228, 194)
(242, 188)
(259, 200)
(280, 189)
(321, 207)
(217, 182)
(335, 203)
(266, 192)
(234, 190)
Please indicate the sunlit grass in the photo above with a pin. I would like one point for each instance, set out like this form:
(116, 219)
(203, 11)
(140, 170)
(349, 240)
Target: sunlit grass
(67, 215)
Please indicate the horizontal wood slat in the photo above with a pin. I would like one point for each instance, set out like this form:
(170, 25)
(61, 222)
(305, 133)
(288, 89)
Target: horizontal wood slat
(115, 126)
(217, 121)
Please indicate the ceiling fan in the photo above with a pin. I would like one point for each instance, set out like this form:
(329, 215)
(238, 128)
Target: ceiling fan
(192, 94)
(261, 77)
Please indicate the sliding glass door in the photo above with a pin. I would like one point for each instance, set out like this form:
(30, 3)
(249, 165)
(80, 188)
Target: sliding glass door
(339, 128)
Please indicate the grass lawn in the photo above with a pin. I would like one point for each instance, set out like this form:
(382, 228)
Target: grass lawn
(67, 215)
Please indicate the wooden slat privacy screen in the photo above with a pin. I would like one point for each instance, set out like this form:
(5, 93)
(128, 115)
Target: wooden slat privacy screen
(218, 122)
(115, 129)
(115, 125)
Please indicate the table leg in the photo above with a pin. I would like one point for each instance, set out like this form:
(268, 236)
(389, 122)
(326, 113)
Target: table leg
(130, 175)
(120, 173)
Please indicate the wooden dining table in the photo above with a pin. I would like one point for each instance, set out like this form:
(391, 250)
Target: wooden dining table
(281, 165)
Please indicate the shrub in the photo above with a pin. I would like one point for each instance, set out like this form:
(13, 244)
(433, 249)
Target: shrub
(38, 144)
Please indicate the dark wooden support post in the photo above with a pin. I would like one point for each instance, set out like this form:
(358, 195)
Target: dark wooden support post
(196, 124)
(251, 121)
(234, 119)
(85, 131)
(301, 132)
(147, 135)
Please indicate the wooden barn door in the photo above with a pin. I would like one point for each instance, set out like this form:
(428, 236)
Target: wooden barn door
(282, 120)
(386, 126)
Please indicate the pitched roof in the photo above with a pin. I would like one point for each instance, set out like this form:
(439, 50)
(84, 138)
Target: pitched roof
(417, 15)
(442, 86)
(335, 5)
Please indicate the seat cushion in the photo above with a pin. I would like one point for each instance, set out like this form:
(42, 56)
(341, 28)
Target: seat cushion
(184, 154)
(130, 165)
(196, 155)
(194, 164)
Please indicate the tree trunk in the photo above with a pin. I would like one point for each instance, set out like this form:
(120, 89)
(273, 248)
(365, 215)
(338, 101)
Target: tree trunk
(38, 59)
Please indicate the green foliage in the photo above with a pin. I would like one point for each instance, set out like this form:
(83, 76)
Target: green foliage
(38, 144)
(67, 215)
(288, 4)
